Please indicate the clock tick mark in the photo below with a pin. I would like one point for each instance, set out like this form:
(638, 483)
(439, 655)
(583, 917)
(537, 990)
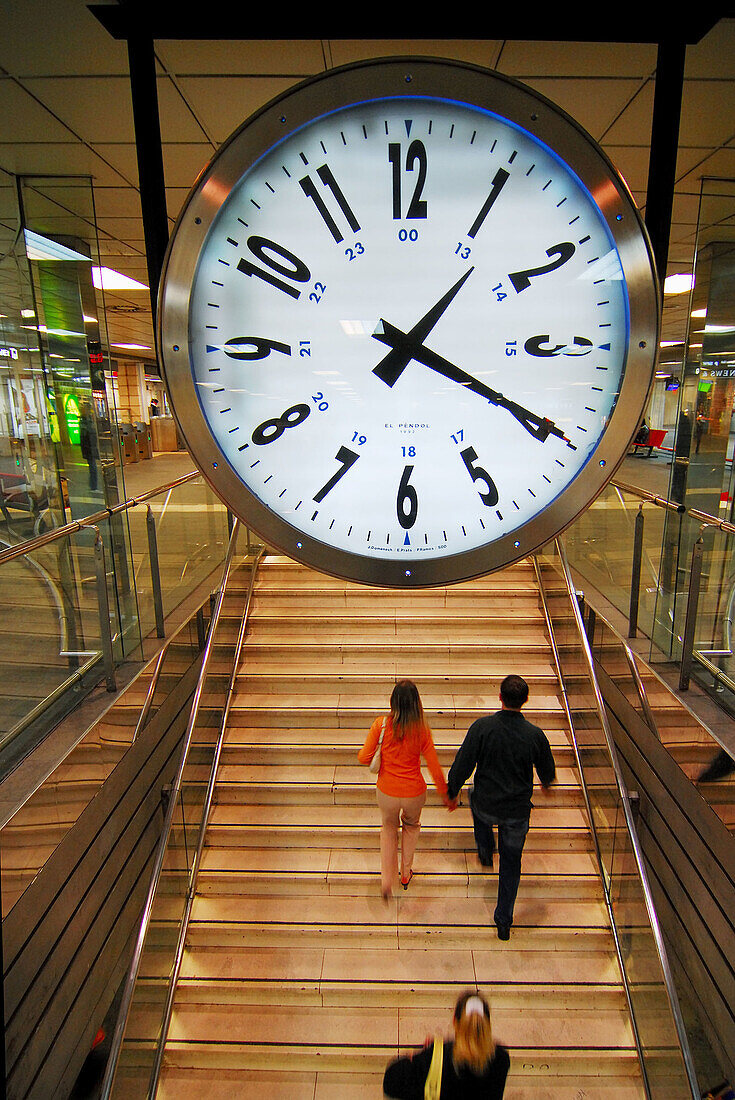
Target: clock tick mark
(499, 514)
(298, 506)
(268, 479)
(492, 147)
(223, 262)
(547, 184)
(303, 157)
(255, 204)
(315, 515)
(282, 494)
(474, 135)
(244, 447)
(271, 189)
(254, 464)
(547, 479)
(242, 222)
(512, 156)
(585, 239)
(528, 173)
(232, 241)
(575, 219)
(285, 169)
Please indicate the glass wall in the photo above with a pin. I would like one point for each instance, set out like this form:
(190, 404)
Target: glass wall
(702, 468)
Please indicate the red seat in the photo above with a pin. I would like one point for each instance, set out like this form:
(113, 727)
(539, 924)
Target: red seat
(656, 437)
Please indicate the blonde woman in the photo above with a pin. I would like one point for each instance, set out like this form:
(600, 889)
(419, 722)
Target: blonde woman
(474, 1066)
(401, 790)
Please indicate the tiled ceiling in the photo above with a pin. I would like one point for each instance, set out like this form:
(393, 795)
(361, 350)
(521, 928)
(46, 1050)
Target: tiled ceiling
(65, 109)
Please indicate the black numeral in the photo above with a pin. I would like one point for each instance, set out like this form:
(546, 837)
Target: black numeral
(416, 153)
(558, 253)
(469, 457)
(253, 347)
(499, 181)
(347, 458)
(288, 265)
(540, 346)
(407, 503)
(273, 429)
(309, 188)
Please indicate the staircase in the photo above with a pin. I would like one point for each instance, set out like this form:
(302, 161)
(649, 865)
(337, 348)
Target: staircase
(298, 981)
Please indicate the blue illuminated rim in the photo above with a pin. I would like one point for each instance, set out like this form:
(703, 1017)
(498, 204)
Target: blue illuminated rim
(480, 90)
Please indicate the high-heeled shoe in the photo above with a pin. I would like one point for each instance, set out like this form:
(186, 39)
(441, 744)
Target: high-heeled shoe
(405, 884)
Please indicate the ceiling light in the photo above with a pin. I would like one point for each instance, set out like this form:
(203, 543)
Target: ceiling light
(678, 284)
(699, 313)
(104, 278)
(39, 247)
(134, 347)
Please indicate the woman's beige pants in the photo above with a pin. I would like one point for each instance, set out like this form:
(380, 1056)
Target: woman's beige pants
(403, 814)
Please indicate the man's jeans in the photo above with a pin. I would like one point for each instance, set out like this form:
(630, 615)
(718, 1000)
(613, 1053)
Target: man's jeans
(511, 838)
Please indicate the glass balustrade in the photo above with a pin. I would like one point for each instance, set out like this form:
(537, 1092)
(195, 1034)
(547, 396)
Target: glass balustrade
(67, 615)
(651, 995)
(34, 822)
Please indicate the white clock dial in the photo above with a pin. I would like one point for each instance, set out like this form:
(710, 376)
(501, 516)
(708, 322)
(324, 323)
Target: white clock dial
(407, 335)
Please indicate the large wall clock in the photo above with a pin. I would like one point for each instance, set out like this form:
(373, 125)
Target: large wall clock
(408, 321)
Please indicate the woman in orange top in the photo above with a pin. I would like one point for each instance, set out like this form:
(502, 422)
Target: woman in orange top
(401, 790)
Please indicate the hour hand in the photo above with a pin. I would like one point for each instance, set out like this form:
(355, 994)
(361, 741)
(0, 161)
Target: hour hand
(390, 369)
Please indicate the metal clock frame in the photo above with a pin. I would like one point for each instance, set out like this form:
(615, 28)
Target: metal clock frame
(389, 79)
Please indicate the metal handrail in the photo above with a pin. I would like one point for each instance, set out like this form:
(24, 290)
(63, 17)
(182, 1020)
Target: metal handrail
(641, 689)
(630, 824)
(206, 812)
(704, 518)
(133, 970)
(30, 545)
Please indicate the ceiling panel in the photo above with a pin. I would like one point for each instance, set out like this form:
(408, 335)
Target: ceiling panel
(595, 104)
(585, 59)
(223, 103)
(240, 58)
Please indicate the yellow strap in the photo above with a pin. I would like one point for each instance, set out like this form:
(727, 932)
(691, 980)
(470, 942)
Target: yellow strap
(433, 1083)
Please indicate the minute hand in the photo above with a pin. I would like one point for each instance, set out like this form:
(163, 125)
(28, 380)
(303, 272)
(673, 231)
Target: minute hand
(540, 427)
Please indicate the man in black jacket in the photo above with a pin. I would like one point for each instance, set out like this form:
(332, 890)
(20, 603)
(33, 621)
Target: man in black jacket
(503, 749)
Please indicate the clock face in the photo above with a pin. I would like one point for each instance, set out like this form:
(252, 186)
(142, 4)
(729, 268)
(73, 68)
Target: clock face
(408, 337)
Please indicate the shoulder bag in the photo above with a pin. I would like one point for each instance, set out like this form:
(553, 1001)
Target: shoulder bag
(374, 764)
